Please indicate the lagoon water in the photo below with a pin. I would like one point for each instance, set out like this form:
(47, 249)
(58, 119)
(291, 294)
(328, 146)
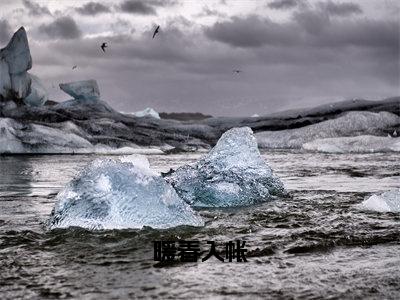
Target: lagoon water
(313, 244)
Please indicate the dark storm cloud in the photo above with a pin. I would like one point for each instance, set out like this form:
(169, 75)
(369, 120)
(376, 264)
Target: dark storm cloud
(340, 9)
(61, 28)
(5, 31)
(144, 7)
(308, 28)
(282, 4)
(137, 7)
(34, 9)
(92, 9)
(251, 31)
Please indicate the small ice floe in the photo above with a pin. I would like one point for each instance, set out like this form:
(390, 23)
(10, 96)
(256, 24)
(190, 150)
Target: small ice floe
(118, 194)
(233, 173)
(147, 112)
(386, 202)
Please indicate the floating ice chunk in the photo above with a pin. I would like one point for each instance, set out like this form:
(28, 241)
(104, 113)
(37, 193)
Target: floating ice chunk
(82, 90)
(147, 112)
(386, 202)
(350, 124)
(17, 53)
(110, 194)
(38, 95)
(233, 173)
(356, 144)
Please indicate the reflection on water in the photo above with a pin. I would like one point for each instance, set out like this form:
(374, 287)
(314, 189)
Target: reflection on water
(315, 244)
(15, 176)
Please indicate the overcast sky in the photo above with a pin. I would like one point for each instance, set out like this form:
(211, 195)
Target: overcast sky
(292, 53)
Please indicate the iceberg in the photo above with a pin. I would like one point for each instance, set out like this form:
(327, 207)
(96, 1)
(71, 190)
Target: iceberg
(38, 94)
(356, 144)
(82, 90)
(147, 112)
(15, 82)
(388, 201)
(353, 123)
(15, 61)
(17, 53)
(111, 194)
(233, 173)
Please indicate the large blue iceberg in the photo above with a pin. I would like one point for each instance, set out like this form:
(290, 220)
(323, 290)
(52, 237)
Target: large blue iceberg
(110, 194)
(233, 173)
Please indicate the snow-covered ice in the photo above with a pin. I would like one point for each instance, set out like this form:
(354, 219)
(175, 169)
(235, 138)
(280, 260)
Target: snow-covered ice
(388, 201)
(356, 144)
(112, 194)
(233, 173)
(82, 90)
(350, 124)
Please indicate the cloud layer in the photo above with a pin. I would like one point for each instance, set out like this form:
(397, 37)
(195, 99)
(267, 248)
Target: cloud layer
(292, 53)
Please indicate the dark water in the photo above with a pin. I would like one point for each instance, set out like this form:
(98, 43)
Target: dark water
(315, 244)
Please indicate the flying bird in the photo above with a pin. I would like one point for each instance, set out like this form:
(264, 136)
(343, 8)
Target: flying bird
(103, 47)
(156, 31)
(237, 71)
(74, 67)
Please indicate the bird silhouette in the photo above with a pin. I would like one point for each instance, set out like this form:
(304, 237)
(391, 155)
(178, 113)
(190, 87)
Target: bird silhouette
(237, 71)
(156, 31)
(74, 67)
(103, 47)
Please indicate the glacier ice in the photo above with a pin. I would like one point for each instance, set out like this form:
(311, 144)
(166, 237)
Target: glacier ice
(350, 124)
(82, 90)
(147, 112)
(356, 144)
(38, 93)
(388, 201)
(19, 138)
(233, 173)
(111, 194)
